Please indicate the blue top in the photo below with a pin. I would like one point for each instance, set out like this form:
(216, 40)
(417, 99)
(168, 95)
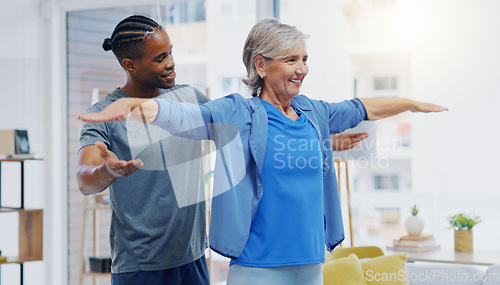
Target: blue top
(288, 228)
(239, 128)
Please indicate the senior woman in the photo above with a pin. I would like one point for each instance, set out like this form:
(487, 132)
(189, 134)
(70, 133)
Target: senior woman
(276, 218)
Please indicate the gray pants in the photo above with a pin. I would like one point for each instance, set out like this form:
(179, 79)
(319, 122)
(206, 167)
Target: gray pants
(309, 274)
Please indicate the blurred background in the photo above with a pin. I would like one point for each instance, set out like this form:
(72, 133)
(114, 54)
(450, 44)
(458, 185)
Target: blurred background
(444, 51)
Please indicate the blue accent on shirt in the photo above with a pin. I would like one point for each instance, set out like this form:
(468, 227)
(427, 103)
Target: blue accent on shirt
(288, 228)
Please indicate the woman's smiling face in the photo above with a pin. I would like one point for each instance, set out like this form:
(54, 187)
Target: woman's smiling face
(284, 76)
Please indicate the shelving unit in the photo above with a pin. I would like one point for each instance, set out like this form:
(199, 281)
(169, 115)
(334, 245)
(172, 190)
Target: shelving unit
(30, 226)
(91, 204)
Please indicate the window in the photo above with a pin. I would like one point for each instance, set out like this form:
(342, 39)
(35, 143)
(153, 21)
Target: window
(385, 83)
(232, 85)
(186, 12)
(386, 182)
(235, 10)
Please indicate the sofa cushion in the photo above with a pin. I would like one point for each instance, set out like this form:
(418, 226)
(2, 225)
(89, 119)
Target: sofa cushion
(492, 275)
(386, 269)
(360, 251)
(343, 271)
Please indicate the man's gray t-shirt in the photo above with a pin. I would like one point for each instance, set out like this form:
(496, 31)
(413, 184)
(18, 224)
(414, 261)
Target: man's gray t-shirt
(158, 213)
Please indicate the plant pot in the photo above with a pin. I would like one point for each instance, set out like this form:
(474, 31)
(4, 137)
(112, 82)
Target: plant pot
(414, 225)
(463, 240)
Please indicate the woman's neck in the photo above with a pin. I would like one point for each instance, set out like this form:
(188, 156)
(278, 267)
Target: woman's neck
(281, 103)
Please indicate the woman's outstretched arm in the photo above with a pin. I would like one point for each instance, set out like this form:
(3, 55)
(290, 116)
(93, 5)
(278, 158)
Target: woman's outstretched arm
(179, 118)
(142, 110)
(379, 108)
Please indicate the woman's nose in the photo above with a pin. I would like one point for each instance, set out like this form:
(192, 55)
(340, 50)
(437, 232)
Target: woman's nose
(302, 69)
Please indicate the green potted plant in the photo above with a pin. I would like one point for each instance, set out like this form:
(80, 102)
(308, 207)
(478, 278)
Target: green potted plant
(414, 224)
(463, 224)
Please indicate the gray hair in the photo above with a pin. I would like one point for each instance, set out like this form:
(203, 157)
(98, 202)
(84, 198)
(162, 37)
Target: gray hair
(272, 40)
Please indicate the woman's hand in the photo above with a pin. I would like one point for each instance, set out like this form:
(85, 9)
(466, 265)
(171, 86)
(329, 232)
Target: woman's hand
(345, 141)
(379, 108)
(426, 107)
(142, 110)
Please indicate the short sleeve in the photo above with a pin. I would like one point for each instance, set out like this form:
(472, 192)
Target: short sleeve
(201, 97)
(359, 105)
(93, 132)
(346, 114)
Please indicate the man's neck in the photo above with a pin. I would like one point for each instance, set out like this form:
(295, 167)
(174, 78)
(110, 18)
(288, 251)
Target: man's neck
(140, 92)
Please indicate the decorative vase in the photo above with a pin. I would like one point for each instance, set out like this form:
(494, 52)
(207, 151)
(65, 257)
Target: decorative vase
(414, 225)
(463, 240)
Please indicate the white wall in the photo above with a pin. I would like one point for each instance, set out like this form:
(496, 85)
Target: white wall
(330, 72)
(457, 63)
(454, 62)
(20, 108)
(19, 53)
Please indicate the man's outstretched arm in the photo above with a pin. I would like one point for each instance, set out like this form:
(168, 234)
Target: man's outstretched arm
(97, 168)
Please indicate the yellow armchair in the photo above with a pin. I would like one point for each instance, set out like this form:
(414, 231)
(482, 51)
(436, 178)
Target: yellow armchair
(360, 251)
(344, 267)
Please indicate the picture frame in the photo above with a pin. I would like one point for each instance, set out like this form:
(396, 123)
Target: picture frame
(22, 145)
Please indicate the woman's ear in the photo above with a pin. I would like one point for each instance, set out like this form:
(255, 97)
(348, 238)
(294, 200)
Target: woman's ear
(259, 63)
(128, 64)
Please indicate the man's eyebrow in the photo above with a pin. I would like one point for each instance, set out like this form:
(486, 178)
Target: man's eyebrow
(164, 53)
(161, 55)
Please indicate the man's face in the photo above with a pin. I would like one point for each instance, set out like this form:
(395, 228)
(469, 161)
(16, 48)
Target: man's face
(156, 67)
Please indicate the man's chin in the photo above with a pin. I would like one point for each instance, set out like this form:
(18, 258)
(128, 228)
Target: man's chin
(168, 85)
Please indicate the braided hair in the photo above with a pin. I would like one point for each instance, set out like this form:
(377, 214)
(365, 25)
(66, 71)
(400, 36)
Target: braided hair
(129, 37)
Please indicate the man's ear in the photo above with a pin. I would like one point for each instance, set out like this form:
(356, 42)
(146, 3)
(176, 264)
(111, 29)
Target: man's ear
(259, 62)
(128, 64)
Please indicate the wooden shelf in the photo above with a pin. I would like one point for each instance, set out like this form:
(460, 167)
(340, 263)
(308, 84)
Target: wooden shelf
(30, 223)
(12, 209)
(30, 235)
(8, 210)
(19, 259)
(19, 159)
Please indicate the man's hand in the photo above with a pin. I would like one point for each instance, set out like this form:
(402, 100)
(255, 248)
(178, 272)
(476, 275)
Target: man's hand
(116, 167)
(345, 141)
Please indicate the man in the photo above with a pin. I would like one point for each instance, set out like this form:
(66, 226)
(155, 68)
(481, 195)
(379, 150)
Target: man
(158, 222)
